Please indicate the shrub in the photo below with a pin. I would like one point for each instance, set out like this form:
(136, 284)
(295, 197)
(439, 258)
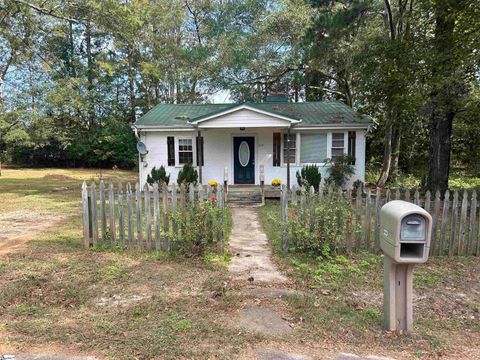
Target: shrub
(328, 232)
(308, 176)
(340, 170)
(158, 176)
(200, 231)
(188, 175)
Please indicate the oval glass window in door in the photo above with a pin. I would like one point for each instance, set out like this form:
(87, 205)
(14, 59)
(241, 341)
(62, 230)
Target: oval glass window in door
(244, 153)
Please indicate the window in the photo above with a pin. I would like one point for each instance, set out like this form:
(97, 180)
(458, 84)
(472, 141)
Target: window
(277, 148)
(292, 140)
(185, 151)
(313, 148)
(338, 145)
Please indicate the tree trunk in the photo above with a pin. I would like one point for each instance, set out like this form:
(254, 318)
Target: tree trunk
(387, 152)
(90, 75)
(444, 97)
(440, 149)
(395, 155)
(131, 84)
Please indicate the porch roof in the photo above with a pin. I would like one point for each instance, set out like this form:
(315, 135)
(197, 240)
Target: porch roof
(326, 113)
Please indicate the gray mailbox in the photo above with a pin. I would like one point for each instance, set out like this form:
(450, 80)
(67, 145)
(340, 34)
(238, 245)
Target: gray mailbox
(405, 231)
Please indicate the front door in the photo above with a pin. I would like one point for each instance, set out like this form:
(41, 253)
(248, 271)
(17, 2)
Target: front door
(244, 160)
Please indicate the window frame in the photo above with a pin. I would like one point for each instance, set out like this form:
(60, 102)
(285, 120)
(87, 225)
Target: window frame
(330, 146)
(282, 150)
(328, 153)
(177, 150)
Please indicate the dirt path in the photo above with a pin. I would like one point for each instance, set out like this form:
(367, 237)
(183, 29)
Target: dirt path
(19, 227)
(252, 253)
(263, 288)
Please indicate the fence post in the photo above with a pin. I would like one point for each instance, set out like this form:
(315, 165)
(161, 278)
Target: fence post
(473, 218)
(86, 216)
(103, 208)
(138, 201)
(358, 218)
(166, 225)
(397, 194)
(283, 210)
(462, 248)
(111, 204)
(428, 201)
(417, 198)
(436, 212)
(312, 209)
(453, 224)
(129, 216)
(156, 216)
(407, 195)
(121, 222)
(378, 204)
(443, 230)
(148, 219)
(368, 220)
(93, 213)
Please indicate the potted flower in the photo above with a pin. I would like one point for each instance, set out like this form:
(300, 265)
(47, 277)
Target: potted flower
(213, 184)
(276, 183)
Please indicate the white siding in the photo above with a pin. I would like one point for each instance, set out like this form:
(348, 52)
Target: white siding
(218, 148)
(244, 118)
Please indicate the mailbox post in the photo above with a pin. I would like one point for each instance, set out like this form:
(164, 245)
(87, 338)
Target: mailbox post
(405, 231)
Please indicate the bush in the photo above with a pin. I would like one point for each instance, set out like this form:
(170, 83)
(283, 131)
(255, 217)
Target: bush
(308, 176)
(200, 233)
(340, 170)
(328, 232)
(158, 176)
(188, 175)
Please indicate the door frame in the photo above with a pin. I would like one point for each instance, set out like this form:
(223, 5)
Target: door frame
(232, 157)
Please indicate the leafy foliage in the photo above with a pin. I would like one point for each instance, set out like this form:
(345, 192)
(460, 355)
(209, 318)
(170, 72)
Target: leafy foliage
(309, 176)
(188, 175)
(327, 233)
(340, 169)
(158, 176)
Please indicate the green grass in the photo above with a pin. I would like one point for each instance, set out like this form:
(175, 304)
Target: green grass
(346, 297)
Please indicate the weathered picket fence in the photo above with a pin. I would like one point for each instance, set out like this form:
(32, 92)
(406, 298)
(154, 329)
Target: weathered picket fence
(141, 218)
(455, 216)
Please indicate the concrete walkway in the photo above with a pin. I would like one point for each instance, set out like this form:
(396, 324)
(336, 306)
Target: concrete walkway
(252, 255)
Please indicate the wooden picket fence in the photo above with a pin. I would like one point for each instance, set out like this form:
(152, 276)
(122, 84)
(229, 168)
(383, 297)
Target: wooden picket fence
(455, 217)
(140, 218)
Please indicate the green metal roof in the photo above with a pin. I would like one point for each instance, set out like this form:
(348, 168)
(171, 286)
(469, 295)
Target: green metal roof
(310, 113)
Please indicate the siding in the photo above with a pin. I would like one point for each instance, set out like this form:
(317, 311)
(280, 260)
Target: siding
(218, 145)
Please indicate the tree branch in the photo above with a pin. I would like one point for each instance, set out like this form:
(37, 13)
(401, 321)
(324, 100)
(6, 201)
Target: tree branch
(47, 11)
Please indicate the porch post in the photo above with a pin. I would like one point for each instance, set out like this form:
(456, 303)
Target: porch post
(199, 155)
(288, 158)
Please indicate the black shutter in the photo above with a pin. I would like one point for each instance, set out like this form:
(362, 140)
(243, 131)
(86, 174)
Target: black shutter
(200, 151)
(171, 150)
(277, 148)
(352, 137)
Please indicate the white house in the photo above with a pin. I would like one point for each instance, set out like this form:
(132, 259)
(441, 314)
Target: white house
(249, 142)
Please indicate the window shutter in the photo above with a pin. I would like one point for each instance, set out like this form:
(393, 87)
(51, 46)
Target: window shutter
(171, 150)
(277, 138)
(200, 157)
(352, 137)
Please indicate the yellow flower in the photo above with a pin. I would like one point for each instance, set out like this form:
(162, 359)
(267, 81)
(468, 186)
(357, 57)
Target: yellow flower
(276, 182)
(212, 183)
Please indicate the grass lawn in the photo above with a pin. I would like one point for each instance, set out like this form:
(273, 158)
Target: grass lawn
(55, 296)
(114, 304)
(346, 300)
